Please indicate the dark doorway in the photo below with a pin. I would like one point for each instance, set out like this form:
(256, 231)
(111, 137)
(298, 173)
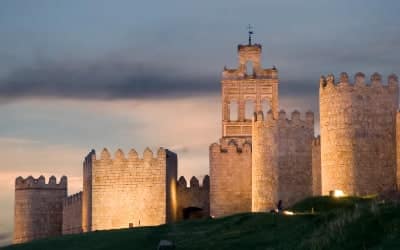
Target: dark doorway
(192, 213)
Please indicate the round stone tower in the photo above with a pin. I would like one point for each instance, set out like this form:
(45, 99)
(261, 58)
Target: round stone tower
(358, 134)
(38, 208)
(265, 160)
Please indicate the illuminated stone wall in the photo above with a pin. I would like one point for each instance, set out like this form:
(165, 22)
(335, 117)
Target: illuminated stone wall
(132, 191)
(87, 191)
(72, 214)
(398, 148)
(316, 166)
(358, 134)
(38, 208)
(194, 195)
(282, 159)
(230, 177)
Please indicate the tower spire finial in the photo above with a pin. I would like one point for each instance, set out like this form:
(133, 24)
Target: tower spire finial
(250, 31)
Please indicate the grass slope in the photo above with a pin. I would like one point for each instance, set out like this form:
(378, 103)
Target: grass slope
(345, 223)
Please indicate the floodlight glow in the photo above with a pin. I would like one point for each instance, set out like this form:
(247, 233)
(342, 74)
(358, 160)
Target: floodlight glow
(338, 193)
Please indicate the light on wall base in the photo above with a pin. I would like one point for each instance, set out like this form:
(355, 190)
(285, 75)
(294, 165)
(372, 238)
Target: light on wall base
(336, 193)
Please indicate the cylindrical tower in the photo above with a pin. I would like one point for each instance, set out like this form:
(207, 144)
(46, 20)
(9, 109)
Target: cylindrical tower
(358, 134)
(265, 160)
(38, 208)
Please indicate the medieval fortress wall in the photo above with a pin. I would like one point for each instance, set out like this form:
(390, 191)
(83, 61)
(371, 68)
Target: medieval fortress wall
(316, 166)
(38, 208)
(398, 148)
(194, 195)
(230, 177)
(358, 134)
(72, 214)
(282, 159)
(129, 191)
(258, 161)
(87, 192)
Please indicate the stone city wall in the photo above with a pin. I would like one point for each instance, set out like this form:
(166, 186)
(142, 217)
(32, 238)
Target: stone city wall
(398, 148)
(194, 196)
(282, 159)
(358, 134)
(72, 214)
(316, 166)
(230, 177)
(38, 208)
(87, 192)
(131, 191)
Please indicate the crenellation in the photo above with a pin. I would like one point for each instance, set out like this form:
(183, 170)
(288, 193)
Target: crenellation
(72, 199)
(393, 80)
(40, 183)
(182, 183)
(344, 78)
(119, 155)
(148, 154)
(194, 182)
(295, 116)
(282, 115)
(328, 84)
(359, 79)
(376, 79)
(133, 155)
(194, 196)
(105, 155)
(206, 181)
(310, 118)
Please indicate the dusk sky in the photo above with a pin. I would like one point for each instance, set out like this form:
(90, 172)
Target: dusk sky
(77, 75)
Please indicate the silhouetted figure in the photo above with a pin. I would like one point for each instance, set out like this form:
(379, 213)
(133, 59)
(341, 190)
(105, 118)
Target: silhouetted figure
(279, 206)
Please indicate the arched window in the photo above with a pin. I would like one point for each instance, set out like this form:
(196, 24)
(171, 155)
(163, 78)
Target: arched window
(265, 106)
(249, 109)
(249, 68)
(233, 110)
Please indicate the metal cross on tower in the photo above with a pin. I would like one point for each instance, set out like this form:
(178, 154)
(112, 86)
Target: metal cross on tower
(250, 31)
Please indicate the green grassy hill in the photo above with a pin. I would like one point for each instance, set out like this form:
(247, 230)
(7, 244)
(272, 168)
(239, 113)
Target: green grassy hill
(337, 223)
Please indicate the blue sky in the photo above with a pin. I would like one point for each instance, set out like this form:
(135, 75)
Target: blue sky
(77, 75)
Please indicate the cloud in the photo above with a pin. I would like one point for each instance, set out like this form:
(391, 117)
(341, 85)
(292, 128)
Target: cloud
(114, 78)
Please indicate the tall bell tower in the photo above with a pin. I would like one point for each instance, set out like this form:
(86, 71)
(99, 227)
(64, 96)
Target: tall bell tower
(246, 89)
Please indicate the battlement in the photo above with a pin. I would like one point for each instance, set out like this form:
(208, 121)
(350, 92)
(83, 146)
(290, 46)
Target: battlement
(72, 199)
(295, 118)
(132, 155)
(239, 74)
(40, 183)
(328, 83)
(232, 146)
(194, 182)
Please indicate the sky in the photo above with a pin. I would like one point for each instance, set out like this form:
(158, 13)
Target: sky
(78, 75)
